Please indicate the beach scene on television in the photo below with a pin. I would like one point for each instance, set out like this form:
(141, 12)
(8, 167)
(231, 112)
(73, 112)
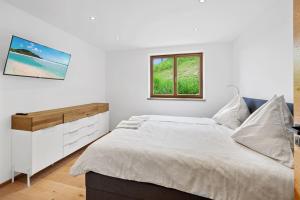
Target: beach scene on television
(26, 58)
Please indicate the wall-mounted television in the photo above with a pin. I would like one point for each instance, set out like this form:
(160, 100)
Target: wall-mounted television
(30, 59)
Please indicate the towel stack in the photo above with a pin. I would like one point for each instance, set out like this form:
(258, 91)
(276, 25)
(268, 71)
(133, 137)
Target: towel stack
(134, 122)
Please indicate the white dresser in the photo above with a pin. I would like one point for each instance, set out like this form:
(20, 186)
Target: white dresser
(34, 151)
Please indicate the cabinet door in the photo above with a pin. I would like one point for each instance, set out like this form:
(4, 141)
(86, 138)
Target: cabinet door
(47, 147)
(21, 151)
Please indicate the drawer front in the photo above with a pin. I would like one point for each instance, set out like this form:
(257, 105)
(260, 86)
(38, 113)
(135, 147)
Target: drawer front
(93, 136)
(47, 147)
(92, 120)
(74, 146)
(71, 137)
(70, 148)
(75, 125)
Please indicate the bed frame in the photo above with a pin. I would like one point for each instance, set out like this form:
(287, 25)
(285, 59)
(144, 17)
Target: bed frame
(100, 187)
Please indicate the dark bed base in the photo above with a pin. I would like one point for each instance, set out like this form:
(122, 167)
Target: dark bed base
(100, 187)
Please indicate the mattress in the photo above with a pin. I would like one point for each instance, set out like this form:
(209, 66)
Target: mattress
(193, 155)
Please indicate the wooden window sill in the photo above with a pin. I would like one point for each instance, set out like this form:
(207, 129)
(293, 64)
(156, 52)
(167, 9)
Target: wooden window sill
(176, 99)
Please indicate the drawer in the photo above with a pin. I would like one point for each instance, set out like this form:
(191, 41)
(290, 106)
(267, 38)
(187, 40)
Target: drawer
(93, 136)
(74, 146)
(73, 136)
(92, 120)
(90, 138)
(75, 125)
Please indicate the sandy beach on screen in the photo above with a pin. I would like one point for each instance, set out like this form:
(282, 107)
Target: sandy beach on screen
(17, 68)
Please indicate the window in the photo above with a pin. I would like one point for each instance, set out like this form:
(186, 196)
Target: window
(177, 76)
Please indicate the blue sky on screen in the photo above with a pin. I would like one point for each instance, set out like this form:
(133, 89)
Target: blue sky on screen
(44, 52)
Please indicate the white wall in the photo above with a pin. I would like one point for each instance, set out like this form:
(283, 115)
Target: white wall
(128, 82)
(85, 81)
(264, 54)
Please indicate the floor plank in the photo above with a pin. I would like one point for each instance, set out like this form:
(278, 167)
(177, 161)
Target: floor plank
(53, 183)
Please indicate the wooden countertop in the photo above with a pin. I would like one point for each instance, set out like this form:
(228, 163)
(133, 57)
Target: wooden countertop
(44, 119)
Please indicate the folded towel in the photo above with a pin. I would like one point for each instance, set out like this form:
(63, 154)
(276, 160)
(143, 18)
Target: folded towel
(139, 118)
(129, 124)
(132, 122)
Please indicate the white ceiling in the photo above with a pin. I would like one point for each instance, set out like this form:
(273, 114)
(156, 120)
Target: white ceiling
(148, 23)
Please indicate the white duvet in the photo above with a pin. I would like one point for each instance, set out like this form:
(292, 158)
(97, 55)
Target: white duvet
(194, 155)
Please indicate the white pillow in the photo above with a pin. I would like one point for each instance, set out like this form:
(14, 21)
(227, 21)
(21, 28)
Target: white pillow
(233, 114)
(288, 117)
(265, 132)
(288, 121)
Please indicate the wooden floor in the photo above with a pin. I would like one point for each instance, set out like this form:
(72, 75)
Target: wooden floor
(53, 183)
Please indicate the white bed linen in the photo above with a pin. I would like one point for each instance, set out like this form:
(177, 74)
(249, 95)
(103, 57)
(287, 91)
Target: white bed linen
(193, 155)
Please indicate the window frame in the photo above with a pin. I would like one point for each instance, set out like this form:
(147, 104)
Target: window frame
(175, 94)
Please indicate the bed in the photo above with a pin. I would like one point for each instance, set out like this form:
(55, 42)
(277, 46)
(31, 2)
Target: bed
(181, 158)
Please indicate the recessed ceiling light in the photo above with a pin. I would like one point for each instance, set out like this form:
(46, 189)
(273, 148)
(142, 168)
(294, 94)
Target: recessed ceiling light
(202, 1)
(117, 38)
(92, 17)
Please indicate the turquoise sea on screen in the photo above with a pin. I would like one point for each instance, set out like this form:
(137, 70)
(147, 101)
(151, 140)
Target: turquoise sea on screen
(46, 66)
